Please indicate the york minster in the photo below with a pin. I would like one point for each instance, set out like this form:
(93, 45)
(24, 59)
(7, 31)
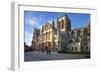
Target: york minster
(62, 37)
(56, 36)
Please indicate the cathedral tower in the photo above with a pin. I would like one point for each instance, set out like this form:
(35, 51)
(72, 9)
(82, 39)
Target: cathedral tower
(63, 26)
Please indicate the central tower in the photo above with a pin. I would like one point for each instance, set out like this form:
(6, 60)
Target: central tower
(63, 26)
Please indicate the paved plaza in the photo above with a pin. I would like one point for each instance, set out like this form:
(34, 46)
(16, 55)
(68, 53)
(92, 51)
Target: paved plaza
(39, 56)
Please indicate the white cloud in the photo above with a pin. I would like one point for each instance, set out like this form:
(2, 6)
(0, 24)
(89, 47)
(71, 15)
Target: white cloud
(40, 27)
(32, 21)
(50, 21)
(28, 38)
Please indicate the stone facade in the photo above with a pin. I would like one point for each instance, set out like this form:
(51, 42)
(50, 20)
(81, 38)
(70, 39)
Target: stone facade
(61, 37)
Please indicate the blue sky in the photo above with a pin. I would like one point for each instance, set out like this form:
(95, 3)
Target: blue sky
(34, 19)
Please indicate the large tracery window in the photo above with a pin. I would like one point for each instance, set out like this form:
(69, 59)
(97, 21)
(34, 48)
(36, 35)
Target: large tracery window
(62, 24)
(46, 27)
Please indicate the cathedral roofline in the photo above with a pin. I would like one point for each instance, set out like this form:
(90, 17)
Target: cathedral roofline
(63, 16)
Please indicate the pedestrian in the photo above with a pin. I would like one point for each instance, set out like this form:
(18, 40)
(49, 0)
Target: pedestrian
(49, 50)
(42, 50)
(46, 48)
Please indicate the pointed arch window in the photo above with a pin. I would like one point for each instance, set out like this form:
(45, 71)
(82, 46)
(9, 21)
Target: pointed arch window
(62, 24)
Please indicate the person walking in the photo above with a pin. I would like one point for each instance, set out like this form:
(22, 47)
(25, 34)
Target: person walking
(46, 48)
(49, 50)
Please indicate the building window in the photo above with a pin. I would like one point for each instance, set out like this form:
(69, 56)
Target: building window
(87, 48)
(77, 40)
(72, 48)
(70, 41)
(78, 33)
(49, 35)
(72, 33)
(62, 24)
(46, 27)
(43, 37)
(46, 36)
(75, 48)
(85, 31)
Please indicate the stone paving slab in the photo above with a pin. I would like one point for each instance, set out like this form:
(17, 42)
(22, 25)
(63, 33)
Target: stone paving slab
(39, 56)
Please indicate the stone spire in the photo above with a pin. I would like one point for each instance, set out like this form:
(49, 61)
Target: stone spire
(53, 24)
